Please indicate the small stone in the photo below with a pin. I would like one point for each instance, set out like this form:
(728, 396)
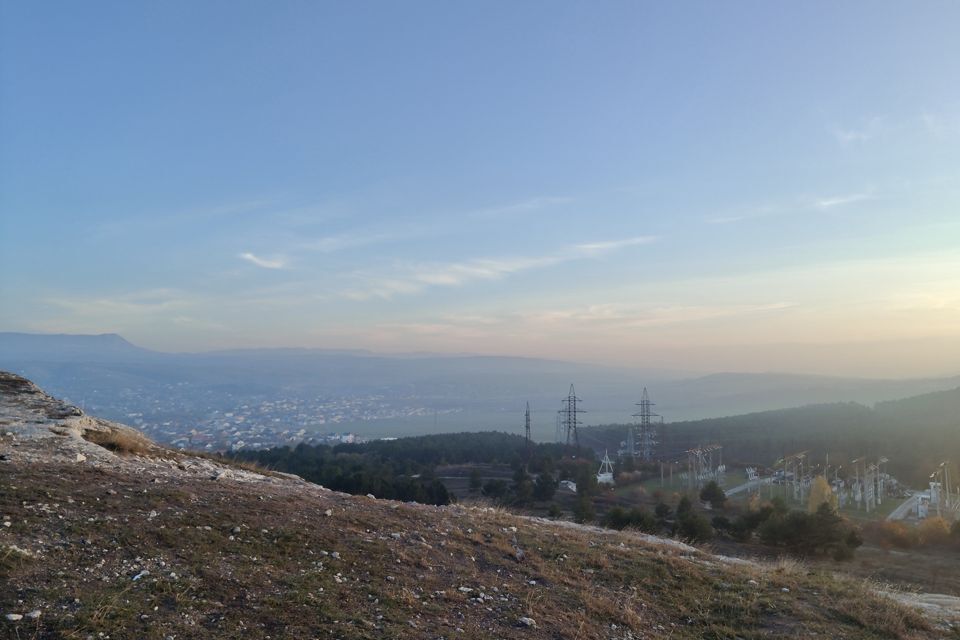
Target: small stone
(328, 513)
(395, 536)
(527, 622)
(370, 495)
(335, 555)
(752, 582)
(785, 590)
(7, 523)
(13, 617)
(235, 530)
(81, 457)
(33, 615)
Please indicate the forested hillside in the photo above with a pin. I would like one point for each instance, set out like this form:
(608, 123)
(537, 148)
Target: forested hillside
(916, 433)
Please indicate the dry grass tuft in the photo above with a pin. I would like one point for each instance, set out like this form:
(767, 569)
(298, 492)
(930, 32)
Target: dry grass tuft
(120, 441)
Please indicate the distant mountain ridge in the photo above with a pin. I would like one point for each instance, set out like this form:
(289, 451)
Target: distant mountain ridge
(82, 365)
(102, 346)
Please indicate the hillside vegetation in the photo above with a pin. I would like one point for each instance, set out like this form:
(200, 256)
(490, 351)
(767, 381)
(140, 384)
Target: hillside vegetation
(158, 544)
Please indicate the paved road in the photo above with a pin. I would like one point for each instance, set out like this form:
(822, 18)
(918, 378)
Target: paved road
(909, 506)
(746, 486)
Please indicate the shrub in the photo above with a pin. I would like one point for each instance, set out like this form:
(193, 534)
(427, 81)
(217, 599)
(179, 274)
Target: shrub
(620, 518)
(583, 509)
(476, 480)
(713, 494)
(721, 523)
(933, 532)
(820, 533)
(495, 488)
(545, 487)
(693, 526)
(892, 534)
(662, 511)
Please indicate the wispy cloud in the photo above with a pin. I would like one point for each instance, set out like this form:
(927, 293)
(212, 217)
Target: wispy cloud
(523, 206)
(869, 128)
(139, 303)
(416, 278)
(839, 201)
(182, 218)
(596, 248)
(939, 125)
(264, 263)
(609, 319)
(799, 206)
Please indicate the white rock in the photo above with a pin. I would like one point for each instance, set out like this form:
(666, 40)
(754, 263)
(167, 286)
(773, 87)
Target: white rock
(328, 512)
(13, 617)
(81, 457)
(33, 615)
(527, 622)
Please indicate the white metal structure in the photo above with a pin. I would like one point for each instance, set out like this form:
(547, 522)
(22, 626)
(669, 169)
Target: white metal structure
(605, 473)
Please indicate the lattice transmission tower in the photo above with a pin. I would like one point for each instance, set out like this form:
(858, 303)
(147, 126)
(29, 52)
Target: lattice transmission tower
(642, 439)
(526, 427)
(568, 416)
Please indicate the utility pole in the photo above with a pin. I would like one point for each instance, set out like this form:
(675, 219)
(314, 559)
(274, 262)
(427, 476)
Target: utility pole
(856, 483)
(526, 430)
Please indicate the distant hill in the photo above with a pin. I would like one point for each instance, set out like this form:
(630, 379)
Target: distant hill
(940, 408)
(63, 347)
(733, 393)
(915, 433)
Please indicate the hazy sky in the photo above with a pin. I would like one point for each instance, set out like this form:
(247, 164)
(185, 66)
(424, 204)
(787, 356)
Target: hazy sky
(710, 186)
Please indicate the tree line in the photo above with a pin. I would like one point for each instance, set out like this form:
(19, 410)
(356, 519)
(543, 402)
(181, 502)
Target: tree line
(405, 468)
